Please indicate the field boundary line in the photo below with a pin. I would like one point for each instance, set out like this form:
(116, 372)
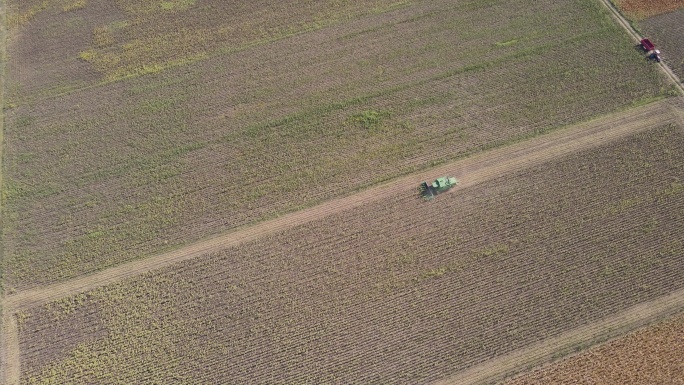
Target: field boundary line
(9, 338)
(570, 342)
(9, 349)
(635, 35)
(471, 171)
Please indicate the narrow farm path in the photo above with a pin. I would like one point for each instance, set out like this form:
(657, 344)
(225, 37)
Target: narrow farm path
(637, 38)
(9, 344)
(470, 171)
(566, 343)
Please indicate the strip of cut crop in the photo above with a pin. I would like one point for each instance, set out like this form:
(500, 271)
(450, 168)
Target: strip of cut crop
(10, 368)
(9, 344)
(580, 338)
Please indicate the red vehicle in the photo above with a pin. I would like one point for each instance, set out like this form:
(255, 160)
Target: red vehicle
(651, 52)
(647, 45)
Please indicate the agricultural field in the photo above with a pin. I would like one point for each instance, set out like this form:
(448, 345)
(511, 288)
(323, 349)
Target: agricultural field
(81, 43)
(115, 150)
(395, 291)
(652, 355)
(667, 31)
(643, 9)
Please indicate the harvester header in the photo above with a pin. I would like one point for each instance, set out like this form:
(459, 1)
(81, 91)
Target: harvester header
(428, 191)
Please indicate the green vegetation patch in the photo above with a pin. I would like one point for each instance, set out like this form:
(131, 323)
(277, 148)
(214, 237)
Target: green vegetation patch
(177, 5)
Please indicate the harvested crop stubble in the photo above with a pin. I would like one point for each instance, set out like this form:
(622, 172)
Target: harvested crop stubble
(652, 355)
(410, 293)
(113, 173)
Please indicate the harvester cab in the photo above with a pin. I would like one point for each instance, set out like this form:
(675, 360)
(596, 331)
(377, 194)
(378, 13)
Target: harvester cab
(651, 52)
(655, 55)
(428, 191)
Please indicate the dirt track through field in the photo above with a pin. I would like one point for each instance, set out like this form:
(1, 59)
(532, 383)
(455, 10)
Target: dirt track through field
(546, 350)
(637, 38)
(470, 171)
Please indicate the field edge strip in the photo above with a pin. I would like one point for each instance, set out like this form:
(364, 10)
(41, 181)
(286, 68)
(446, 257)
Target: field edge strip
(570, 342)
(9, 349)
(9, 337)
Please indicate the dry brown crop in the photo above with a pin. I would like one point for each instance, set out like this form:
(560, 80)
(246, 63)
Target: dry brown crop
(399, 291)
(642, 9)
(652, 355)
(135, 127)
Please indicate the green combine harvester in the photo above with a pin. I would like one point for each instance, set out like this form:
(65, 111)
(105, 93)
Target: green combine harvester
(428, 191)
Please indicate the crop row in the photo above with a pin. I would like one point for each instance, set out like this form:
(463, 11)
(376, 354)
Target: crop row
(395, 291)
(44, 41)
(107, 175)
